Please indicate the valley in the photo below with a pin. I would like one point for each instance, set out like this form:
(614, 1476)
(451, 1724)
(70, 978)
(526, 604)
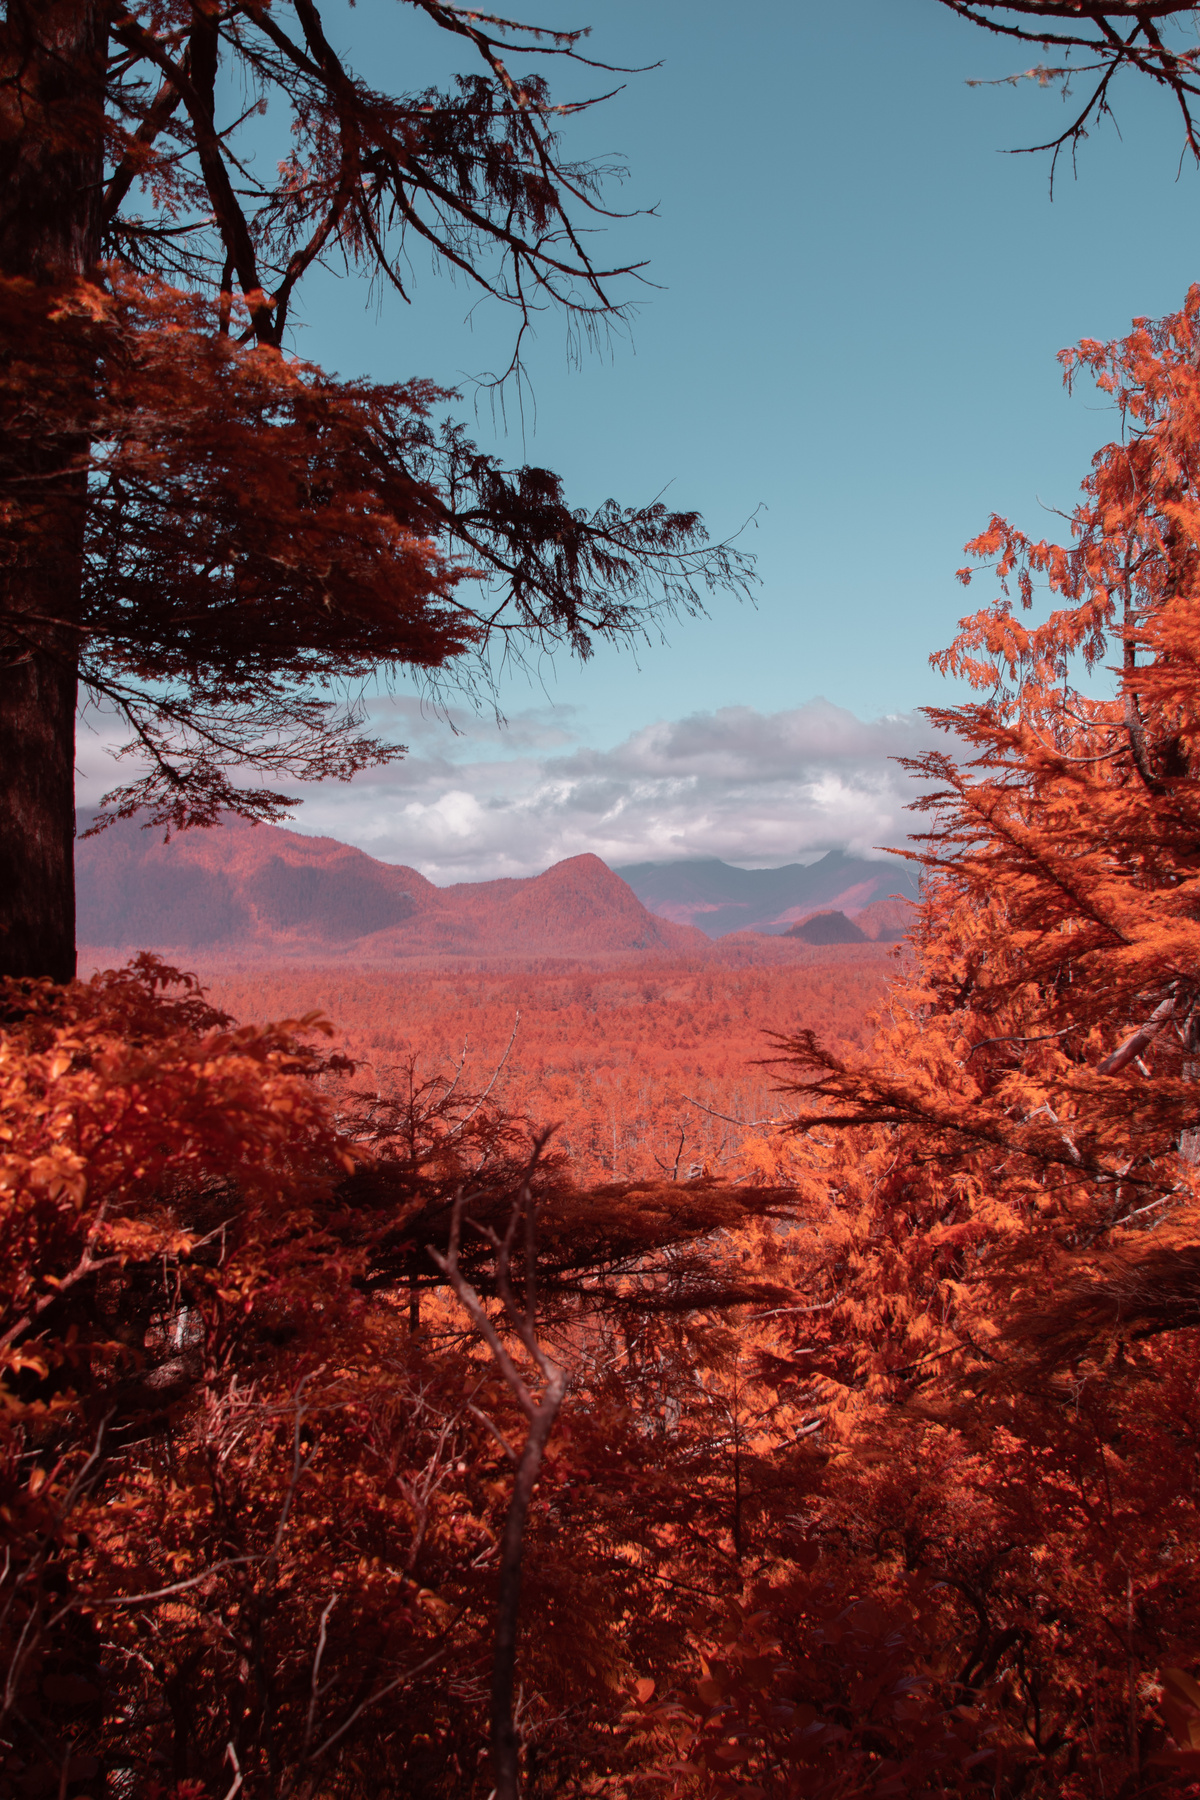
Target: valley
(646, 1070)
(640, 1038)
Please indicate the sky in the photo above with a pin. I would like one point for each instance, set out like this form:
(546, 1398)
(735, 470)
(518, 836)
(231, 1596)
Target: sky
(850, 344)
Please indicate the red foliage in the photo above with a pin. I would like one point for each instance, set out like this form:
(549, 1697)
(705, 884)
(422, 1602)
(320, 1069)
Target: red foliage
(623, 1060)
(1005, 1329)
(877, 1472)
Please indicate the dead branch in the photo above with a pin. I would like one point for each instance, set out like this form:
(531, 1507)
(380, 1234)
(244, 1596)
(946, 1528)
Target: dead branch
(496, 1073)
(1137, 1041)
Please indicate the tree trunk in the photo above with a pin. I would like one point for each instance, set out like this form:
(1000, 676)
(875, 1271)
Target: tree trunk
(52, 69)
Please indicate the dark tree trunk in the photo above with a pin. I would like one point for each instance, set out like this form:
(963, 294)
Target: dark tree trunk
(52, 66)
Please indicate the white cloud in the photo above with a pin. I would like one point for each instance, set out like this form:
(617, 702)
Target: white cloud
(738, 784)
(745, 786)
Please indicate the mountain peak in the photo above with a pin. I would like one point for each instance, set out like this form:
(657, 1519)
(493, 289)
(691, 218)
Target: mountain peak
(263, 892)
(827, 928)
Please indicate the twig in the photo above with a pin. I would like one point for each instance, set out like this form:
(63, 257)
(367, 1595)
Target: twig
(1016, 1037)
(820, 1306)
(299, 1463)
(373, 1700)
(87, 1265)
(728, 1117)
(491, 1084)
(1064, 1134)
(231, 1756)
(496, 1433)
(315, 1693)
(177, 1587)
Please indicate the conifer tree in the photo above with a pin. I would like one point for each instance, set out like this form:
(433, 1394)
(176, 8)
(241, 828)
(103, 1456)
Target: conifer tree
(218, 540)
(1003, 1326)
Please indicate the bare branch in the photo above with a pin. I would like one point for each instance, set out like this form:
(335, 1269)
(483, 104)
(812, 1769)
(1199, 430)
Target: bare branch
(1137, 1040)
(541, 1414)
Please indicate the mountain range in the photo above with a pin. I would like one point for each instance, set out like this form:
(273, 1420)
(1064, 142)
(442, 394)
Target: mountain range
(260, 892)
(719, 898)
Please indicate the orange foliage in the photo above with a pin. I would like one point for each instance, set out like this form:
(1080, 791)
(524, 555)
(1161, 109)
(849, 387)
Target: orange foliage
(249, 1511)
(1000, 1332)
(246, 1510)
(610, 1056)
(877, 1472)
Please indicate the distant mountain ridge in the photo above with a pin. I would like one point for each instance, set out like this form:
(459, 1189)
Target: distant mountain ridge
(260, 891)
(719, 898)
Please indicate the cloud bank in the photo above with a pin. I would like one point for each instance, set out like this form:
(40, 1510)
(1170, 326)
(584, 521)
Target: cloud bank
(745, 786)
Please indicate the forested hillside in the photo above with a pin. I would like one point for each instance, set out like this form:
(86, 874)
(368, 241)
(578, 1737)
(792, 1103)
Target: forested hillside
(258, 892)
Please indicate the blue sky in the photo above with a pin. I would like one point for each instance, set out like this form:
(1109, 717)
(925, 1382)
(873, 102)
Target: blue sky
(860, 302)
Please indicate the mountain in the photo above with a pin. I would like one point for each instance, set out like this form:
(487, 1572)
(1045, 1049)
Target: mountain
(827, 928)
(259, 891)
(886, 921)
(720, 898)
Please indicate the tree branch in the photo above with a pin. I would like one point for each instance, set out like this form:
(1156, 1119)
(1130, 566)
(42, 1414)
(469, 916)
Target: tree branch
(541, 1414)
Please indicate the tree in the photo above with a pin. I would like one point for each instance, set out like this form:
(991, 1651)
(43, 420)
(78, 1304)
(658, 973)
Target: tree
(1009, 1301)
(254, 1506)
(222, 542)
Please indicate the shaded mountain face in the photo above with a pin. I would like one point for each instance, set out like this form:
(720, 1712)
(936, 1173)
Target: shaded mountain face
(261, 891)
(828, 928)
(719, 898)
